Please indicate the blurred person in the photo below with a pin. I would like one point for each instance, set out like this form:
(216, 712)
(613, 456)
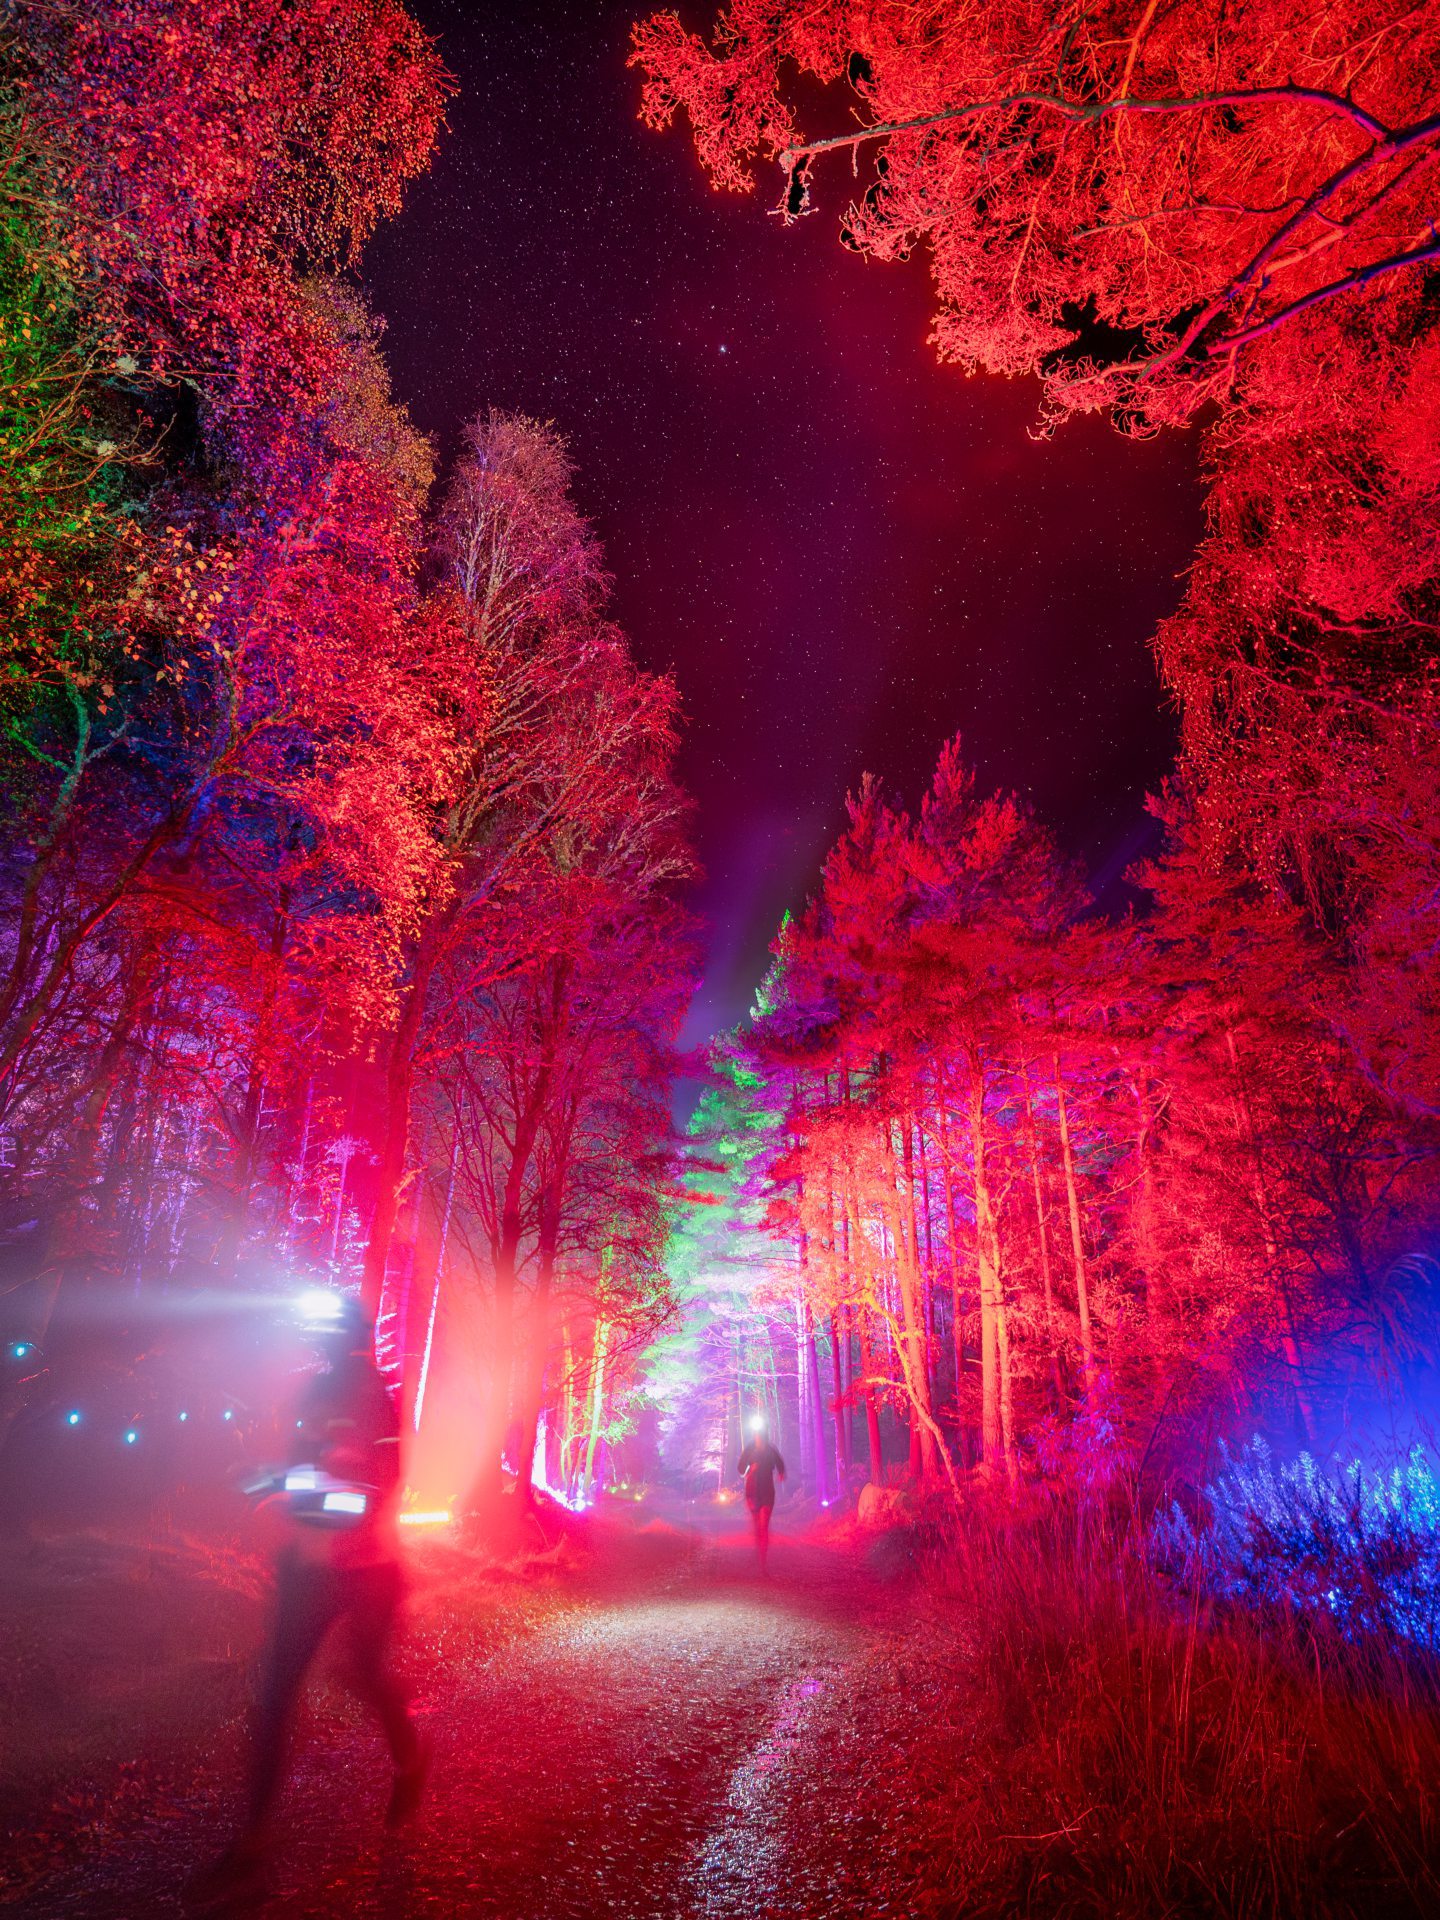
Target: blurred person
(761, 1465)
(338, 1568)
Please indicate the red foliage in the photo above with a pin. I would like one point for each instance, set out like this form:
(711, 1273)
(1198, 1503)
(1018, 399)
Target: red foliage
(1161, 211)
(205, 155)
(1044, 1167)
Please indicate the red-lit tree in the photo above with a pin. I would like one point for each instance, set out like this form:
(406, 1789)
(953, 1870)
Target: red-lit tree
(1159, 211)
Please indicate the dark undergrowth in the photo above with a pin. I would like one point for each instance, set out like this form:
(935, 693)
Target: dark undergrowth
(1105, 1743)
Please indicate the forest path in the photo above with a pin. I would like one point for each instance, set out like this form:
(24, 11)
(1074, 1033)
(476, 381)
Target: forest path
(664, 1743)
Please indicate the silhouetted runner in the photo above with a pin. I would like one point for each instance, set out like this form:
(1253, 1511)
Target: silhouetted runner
(339, 1567)
(761, 1464)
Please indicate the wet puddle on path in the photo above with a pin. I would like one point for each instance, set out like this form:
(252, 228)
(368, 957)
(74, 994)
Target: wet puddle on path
(740, 1862)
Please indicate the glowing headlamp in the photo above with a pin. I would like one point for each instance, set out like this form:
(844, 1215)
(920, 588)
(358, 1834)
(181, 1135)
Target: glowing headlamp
(319, 1307)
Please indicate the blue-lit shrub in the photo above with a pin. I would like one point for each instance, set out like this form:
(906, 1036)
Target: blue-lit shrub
(1357, 1543)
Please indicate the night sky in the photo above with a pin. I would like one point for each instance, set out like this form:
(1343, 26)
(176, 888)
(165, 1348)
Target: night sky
(843, 551)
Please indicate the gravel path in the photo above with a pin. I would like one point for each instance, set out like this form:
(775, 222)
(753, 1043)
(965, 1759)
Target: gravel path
(662, 1741)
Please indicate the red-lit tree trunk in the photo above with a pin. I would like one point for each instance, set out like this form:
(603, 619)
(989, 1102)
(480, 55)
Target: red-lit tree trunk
(24, 1014)
(811, 1359)
(248, 1128)
(1042, 1233)
(1077, 1240)
(927, 1462)
(1289, 1338)
(533, 1386)
(842, 1424)
(947, 1166)
(872, 1410)
(595, 1406)
(917, 1200)
(839, 1281)
(399, 1093)
(997, 1432)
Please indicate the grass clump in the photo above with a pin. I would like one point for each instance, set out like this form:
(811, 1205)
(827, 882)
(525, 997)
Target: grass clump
(1107, 1742)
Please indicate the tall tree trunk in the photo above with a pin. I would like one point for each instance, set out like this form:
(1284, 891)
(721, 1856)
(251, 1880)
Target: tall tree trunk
(510, 1231)
(840, 1285)
(569, 1412)
(817, 1412)
(1290, 1336)
(1042, 1232)
(248, 1131)
(533, 1386)
(399, 1092)
(24, 1017)
(910, 1348)
(996, 1420)
(596, 1407)
(1077, 1242)
(842, 1432)
(872, 1411)
(914, 1155)
(441, 1246)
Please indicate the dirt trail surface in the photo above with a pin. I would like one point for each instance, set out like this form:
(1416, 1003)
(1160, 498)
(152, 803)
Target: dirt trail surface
(666, 1735)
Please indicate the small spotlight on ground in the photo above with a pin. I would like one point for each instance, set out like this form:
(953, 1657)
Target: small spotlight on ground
(229, 1414)
(20, 1348)
(72, 1419)
(131, 1436)
(184, 1417)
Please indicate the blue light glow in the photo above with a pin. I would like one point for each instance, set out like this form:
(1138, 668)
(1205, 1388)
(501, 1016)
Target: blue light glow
(131, 1436)
(1357, 1539)
(72, 1419)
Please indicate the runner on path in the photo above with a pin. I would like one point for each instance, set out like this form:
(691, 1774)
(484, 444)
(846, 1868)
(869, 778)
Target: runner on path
(339, 1567)
(761, 1464)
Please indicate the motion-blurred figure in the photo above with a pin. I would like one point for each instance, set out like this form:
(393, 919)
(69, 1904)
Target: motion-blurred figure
(339, 1567)
(761, 1465)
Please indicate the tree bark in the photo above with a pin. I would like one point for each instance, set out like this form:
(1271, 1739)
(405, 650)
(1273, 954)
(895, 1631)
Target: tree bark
(533, 1386)
(1077, 1242)
(1042, 1234)
(597, 1407)
(925, 1459)
(996, 1418)
(399, 1089)
(1290, 1337)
